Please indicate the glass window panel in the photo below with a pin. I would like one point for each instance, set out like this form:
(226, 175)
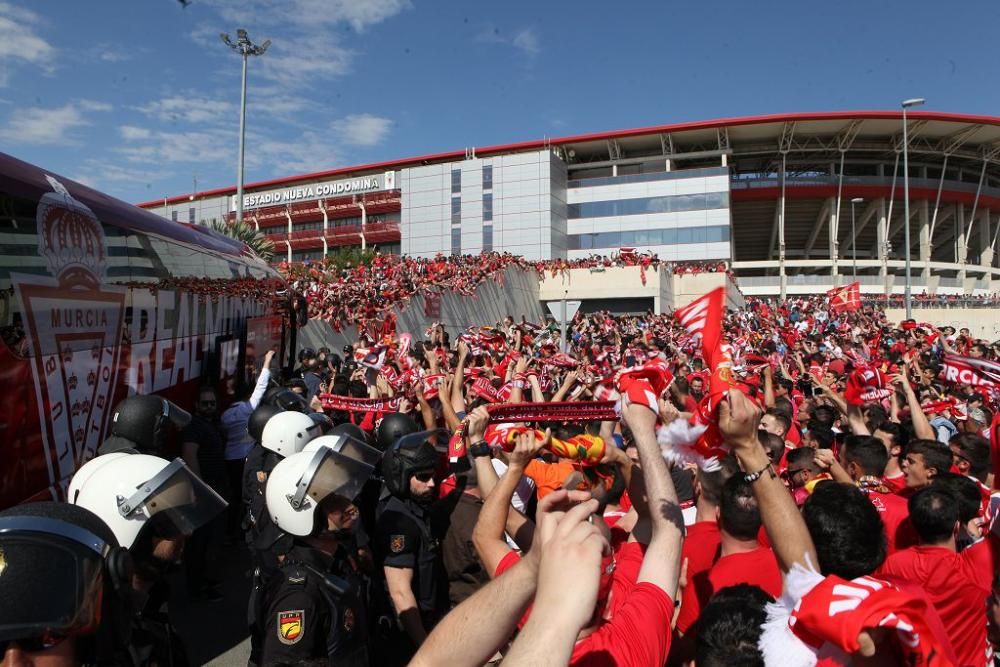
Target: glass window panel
(487, 206)
(456, 180)
(487, 238)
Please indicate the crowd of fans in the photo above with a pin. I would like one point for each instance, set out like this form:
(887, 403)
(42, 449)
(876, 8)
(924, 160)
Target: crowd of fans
(846, 512)
(795, 482)
(362, 292)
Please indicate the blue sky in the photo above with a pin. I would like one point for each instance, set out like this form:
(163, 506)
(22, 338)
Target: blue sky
(140, 97)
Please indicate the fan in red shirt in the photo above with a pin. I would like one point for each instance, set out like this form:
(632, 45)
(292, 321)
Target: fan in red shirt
(743, 560)
(957, 583)
(701, 545)
(862, 462)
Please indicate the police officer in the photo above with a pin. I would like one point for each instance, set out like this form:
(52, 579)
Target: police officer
(151, 505)
(277, 434)
(140, 424)
(408, 549)
(64, 588)
(315, 607)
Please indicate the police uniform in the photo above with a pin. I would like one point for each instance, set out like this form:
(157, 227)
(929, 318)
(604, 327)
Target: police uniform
(405, 539)
(315, 609)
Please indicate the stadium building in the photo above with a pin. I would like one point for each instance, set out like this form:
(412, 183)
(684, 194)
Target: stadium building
(796, 203)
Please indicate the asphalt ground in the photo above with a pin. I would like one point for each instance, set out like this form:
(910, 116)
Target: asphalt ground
(216, 633)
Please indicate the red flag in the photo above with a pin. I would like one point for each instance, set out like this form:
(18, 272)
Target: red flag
(845, 299)
(703, 320)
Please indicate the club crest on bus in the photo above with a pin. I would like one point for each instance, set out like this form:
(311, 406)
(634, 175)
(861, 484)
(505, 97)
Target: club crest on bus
(73, 325)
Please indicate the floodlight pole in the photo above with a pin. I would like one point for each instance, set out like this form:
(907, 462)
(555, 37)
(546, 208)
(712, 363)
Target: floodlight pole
(245, 48)
(906, 104)
(854, 237)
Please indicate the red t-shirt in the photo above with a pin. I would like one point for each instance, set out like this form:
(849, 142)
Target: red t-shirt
(958, 585)
(895, 484)
(893, 511)
(639, 633)
(758, 568)
(628, 561)
(701, 549)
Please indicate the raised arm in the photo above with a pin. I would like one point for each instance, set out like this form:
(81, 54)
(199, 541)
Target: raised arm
(739, 419)
(662, 562)
(769, 386)
(456, 398)
(485, 621)
(921, 426)
(263, 380)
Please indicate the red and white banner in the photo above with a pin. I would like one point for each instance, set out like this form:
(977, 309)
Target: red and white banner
(968, 370)
(432, 304)
(351, 404)
(845, 299)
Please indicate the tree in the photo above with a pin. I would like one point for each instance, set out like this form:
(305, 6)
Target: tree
(248, 234)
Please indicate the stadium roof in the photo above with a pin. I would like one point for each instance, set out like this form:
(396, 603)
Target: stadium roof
(878, 132)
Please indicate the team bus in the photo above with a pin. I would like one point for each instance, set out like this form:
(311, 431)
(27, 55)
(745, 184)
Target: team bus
(100, 300)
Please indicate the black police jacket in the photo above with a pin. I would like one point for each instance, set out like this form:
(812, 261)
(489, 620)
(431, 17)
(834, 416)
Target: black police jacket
(315, 609)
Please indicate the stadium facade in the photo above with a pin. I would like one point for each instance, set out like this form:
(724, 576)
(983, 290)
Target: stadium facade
(796, 203)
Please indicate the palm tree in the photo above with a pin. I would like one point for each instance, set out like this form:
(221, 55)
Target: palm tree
(248, 234)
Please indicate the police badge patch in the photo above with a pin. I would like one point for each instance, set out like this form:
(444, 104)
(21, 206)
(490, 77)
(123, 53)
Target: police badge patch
(348, 620)
(397, 543)
(291, 625)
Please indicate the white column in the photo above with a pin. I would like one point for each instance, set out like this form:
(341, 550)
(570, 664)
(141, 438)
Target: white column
(881, 242)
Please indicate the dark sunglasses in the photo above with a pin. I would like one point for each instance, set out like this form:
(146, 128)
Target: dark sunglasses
(424, 477)
(33, 644)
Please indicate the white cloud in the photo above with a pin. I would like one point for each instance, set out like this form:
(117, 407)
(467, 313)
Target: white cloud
(20, 43)
(133, 133)
(362, 129)
(269, 14)
(190, 108)
(309, 152)
(49, 126)
(98, 174)
(111, 56)
(291, 65)
(91, 105)
(305, 48)
(204, 146)
(526, 40)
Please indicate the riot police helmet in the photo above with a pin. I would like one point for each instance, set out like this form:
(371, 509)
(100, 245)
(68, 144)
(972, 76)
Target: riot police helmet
(286, 433)
(393, 427)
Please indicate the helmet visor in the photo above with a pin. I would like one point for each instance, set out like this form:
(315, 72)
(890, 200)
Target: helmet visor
(437, 437)
(330, 472)
(39, 556)
(357, 450)
(177, 416)
(176, 501)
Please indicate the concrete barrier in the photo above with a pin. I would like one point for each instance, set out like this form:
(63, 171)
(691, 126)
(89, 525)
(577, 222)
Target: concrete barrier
(689, 286)
(981, 322)
(515, 295)
(607, 284)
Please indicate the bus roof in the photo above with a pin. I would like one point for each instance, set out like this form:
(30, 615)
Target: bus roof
(26, 180)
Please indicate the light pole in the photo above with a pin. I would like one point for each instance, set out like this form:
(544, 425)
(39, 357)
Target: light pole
(245, 48)
(854, 237)
(916, 101)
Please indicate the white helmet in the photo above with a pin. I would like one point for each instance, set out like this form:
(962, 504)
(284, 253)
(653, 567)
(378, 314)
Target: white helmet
(300, 482)
(286, 433)
(84, 473)
(130, 491)
(348, 446)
